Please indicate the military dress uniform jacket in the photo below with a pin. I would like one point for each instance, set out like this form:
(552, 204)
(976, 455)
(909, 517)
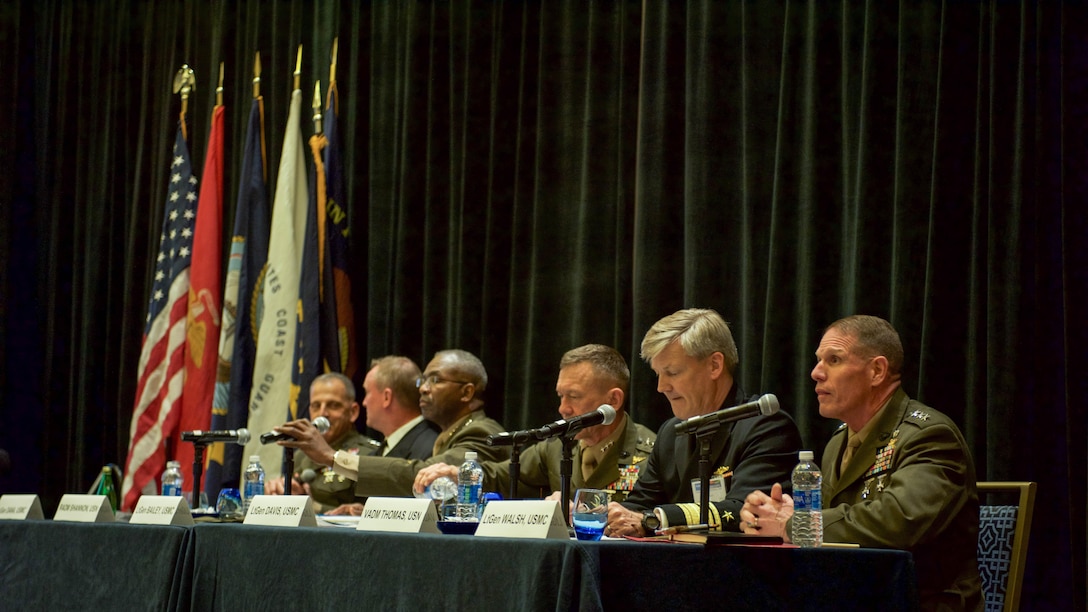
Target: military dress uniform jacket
(394, 477)
(539, 470)
(751, 453)
(329, 490)
(418, 443)
(910, 485)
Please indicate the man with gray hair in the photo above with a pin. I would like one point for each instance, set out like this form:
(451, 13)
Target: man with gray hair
(694, 356)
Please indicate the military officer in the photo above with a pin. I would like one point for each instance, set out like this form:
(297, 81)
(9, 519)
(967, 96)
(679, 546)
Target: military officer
(606, 456)
(897, 474)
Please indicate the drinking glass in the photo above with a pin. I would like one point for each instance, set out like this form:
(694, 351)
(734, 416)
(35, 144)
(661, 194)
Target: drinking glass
(590, 513)
(229, 504)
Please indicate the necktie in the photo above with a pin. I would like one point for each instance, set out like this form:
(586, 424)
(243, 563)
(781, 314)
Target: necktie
(852, 444)
(589, 463)
(381, 449)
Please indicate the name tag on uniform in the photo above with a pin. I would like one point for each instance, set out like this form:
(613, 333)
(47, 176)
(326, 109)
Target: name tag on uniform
(718, 490)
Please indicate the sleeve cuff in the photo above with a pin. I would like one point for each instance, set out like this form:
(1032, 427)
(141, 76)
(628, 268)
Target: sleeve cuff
(346, 465)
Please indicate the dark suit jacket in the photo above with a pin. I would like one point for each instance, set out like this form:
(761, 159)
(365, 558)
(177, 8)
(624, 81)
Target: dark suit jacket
(918, 495)
(759, 451)
(418, 443)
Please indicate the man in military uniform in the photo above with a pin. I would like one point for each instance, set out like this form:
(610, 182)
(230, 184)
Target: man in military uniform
(451, 396)
(897, 474)
(606, 456)
(693, 353)
(332, 396)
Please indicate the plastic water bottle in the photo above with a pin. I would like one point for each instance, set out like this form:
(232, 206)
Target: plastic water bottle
(172, 479)
(441, 490)
(254, 481)
(808, 527)
(470, 485)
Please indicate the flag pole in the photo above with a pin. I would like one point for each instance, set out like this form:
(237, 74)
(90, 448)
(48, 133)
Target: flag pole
(185, 84)
(219, 89)
(256, 75)
(298, 69)
(316, 105)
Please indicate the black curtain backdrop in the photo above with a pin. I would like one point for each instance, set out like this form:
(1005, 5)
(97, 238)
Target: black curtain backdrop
(527, 177)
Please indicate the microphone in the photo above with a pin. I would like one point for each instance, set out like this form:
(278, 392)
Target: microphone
(239, 436)
(766, 404)
(603, 415)
(510, 438)
(307, 476)
(321, 423)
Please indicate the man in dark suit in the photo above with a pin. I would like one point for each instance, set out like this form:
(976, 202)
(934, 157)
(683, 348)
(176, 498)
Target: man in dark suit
(693, 353)
(897, 474)
(391, 402)
(450, 396)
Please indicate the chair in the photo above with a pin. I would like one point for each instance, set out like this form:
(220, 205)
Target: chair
(1003, 544)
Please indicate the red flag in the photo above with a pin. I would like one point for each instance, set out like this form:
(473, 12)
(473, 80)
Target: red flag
(205, 303)
(161, 368)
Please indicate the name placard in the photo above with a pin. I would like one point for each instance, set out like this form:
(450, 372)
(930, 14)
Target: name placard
(161, 510)
(84, 509)
(281, 511)
(534, 519)
(20, 508)
(399, 515)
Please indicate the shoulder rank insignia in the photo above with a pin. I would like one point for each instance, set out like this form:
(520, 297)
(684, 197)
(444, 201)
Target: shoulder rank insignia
(919, 415)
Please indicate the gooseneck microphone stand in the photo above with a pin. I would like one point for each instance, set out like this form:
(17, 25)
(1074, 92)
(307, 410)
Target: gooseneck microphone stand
(288, 469)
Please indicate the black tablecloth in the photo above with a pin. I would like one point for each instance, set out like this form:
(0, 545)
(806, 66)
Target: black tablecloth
(76, 566)
(47, 565)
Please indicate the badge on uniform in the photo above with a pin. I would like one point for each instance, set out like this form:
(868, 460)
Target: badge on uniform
(718, 489)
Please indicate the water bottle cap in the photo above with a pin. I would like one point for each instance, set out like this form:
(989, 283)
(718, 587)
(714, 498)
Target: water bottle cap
(254, 458)
(173, 464)
(805, 455)
(470, 456)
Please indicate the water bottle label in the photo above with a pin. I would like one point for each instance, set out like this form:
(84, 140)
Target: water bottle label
(806, 500)
(254, 488)
(171, 490)
(469, 494)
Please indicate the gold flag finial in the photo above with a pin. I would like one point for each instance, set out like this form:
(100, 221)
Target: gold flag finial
(256, 75)
(185, 84)
(219, 89)
(316, 105)
(298, 68)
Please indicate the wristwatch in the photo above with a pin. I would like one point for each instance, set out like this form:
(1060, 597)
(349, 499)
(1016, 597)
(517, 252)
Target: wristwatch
(650, 522)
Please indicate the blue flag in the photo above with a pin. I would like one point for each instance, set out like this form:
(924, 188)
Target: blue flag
(238, 337)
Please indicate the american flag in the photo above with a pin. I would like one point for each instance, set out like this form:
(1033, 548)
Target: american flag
(162, 367)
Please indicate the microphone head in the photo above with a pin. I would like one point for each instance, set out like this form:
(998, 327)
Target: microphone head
(322, 424)
(609, 413)
(768, 404)
(243, 437)
(307, 476)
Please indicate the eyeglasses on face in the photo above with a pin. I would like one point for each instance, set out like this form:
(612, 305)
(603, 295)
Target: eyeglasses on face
(434, 379)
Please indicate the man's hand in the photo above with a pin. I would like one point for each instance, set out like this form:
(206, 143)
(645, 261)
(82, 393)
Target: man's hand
(623, 522)
(767, 514)
(355, 509)
(431, 473)
(308, 439)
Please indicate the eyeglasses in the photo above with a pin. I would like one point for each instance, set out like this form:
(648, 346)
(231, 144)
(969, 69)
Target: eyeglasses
(434, 379)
